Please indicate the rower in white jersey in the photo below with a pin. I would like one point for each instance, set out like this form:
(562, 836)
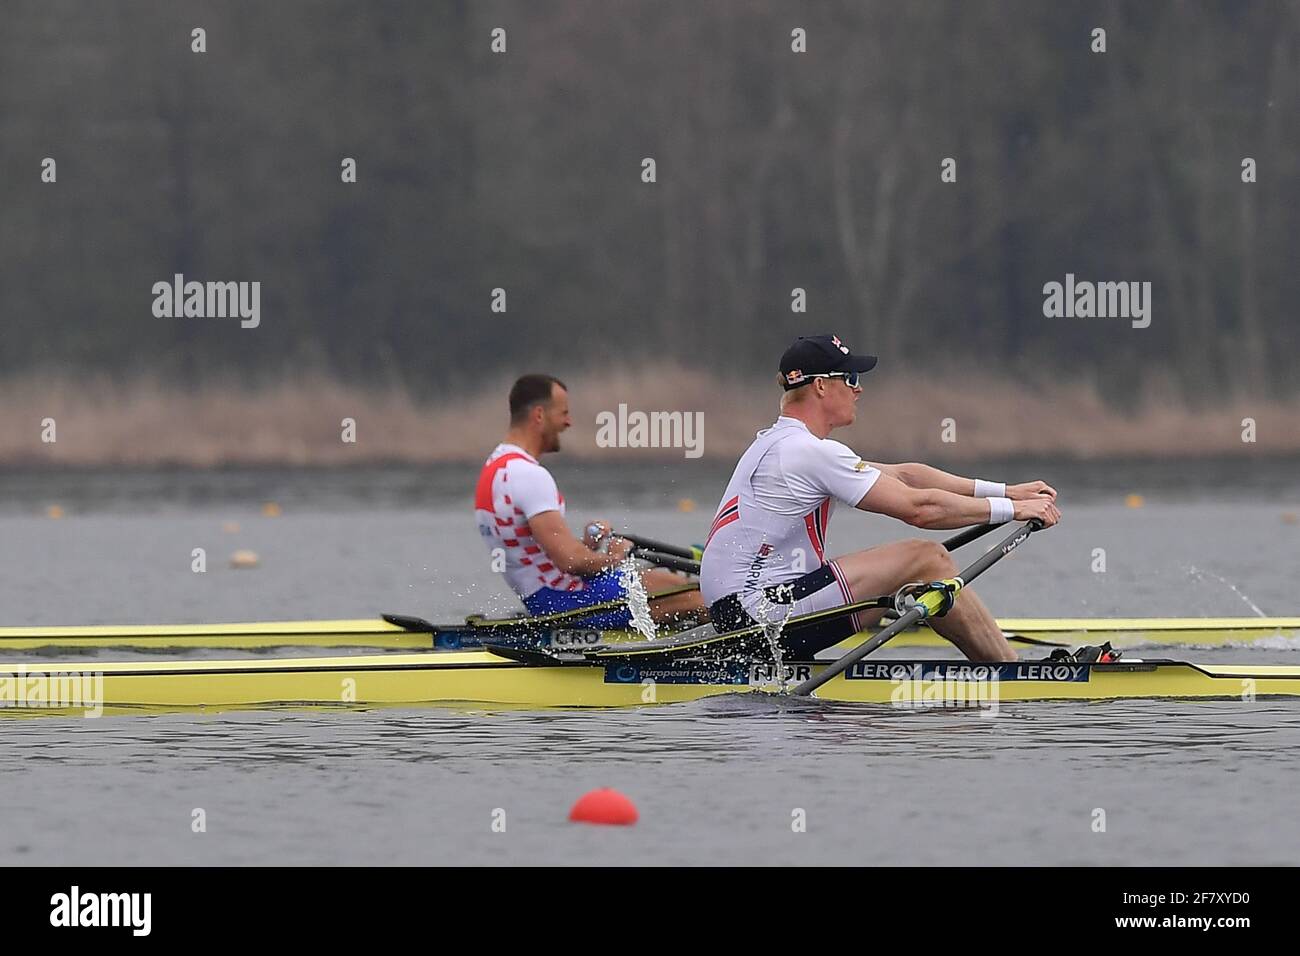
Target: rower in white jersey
(521, 512)
(770, 528)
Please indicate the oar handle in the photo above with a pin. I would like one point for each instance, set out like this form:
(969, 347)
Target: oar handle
(927, 602)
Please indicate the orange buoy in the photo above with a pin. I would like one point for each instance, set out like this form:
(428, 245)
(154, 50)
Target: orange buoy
(271, 510)
(604, 806)
(1134, 501)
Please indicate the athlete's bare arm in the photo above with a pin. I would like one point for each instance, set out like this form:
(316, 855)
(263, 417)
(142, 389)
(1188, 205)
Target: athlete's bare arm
(916, 474)
(567, 553)
(935, 508)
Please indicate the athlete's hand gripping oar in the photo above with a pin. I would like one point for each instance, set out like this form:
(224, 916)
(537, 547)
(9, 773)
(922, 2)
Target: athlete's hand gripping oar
(934, 600)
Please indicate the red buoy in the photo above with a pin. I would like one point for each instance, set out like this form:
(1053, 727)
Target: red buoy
(604, 806)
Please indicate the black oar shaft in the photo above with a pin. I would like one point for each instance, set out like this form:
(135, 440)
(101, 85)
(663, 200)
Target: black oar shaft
(918, 613)
(650, 544)
(911, 617)
(670, 561)
(964, 538)
(994, 555)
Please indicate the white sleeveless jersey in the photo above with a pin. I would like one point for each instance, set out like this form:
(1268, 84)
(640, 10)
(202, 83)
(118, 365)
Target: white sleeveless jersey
(771, 525)
(511, 489)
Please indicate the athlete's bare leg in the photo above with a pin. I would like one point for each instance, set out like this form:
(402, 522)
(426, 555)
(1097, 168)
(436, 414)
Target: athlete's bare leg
(886, 568)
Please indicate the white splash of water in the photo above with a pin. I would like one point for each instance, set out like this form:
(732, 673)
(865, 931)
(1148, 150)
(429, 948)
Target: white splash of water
(1199, 573)
(638, 602)
(773, 625)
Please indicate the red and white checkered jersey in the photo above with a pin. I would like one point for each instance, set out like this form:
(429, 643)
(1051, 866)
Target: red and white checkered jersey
(511, 489)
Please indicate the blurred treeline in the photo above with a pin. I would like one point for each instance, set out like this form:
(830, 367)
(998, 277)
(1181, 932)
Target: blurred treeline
(775, 169)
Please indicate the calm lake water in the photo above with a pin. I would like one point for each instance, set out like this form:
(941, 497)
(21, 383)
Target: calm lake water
(716, 781)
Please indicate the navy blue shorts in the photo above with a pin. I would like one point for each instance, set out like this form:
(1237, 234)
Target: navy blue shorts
(599, 588)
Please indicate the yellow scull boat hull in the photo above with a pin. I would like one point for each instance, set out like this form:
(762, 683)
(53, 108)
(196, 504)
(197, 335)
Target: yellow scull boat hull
(485, 679)
(379, 634)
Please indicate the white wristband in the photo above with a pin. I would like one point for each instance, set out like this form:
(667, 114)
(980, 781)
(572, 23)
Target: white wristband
(1001, 510)
(989, 489)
